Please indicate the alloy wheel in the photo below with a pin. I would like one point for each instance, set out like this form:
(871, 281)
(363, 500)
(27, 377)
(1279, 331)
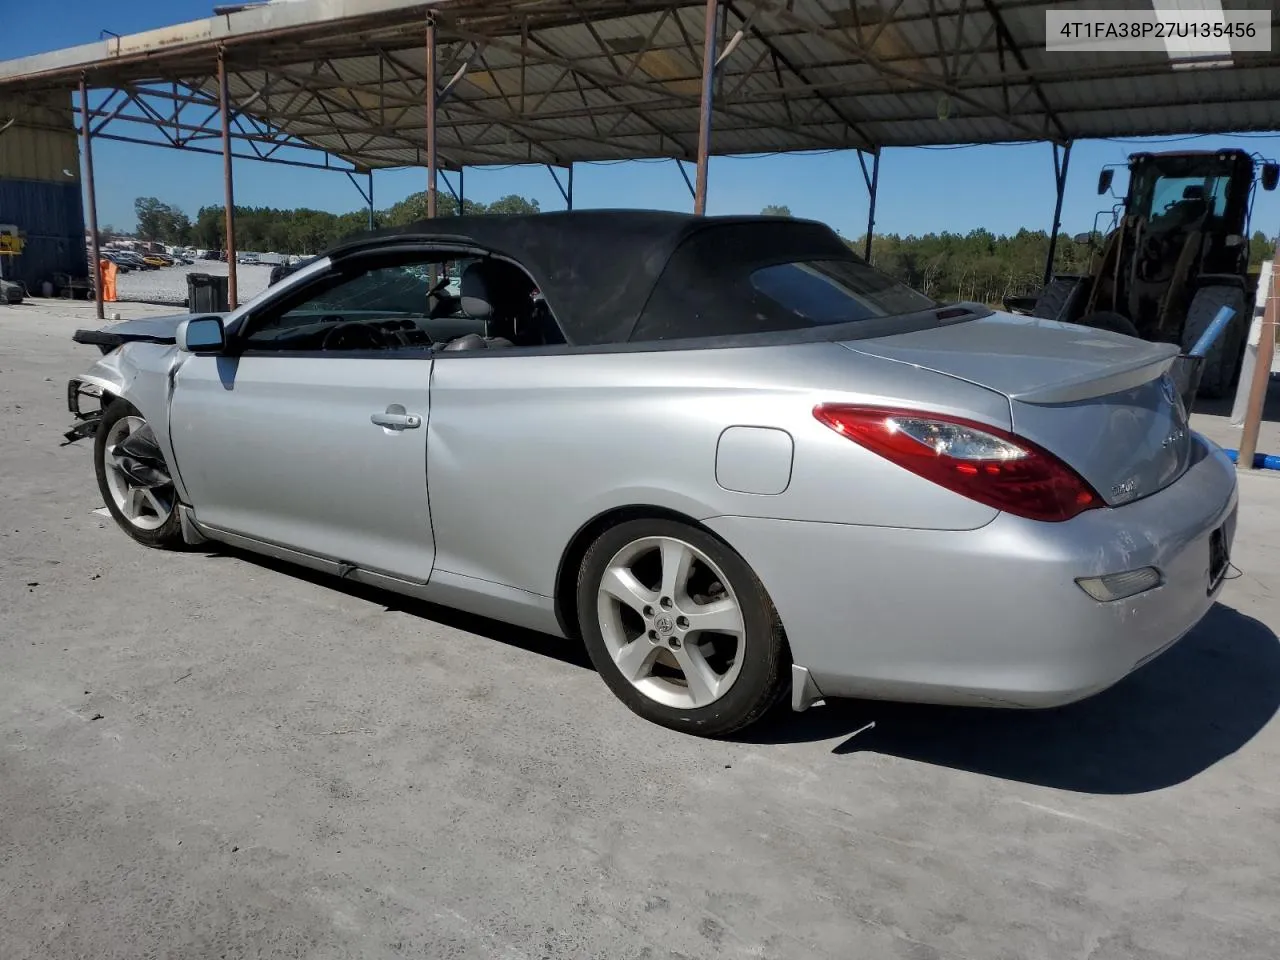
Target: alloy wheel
(137, 475)
(671, 622)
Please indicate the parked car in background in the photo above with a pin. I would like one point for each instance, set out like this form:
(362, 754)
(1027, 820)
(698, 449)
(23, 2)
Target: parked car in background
(135, 260)
(725, 453)
(123, 264)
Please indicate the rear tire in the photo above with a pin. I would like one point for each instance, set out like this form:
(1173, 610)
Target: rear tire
(680, 628)
(1222, 363)
(1058, 300)
(134, 480)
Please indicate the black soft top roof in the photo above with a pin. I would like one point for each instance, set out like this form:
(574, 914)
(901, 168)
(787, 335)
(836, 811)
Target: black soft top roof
(597, 268)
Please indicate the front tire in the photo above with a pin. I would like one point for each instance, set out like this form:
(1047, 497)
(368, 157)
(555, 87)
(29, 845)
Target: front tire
(680, 628)
(134, 478)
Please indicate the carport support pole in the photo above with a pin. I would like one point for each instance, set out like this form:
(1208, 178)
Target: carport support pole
(1261, 375)
(371, 198)
(709, 36)
(1060, 180)
(871, 209)
(431, 116)
(95, 255)
(224, 107)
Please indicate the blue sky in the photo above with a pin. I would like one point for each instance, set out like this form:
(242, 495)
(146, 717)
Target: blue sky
(921, 190)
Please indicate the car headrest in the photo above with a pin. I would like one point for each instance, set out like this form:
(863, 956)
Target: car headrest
(492, 289)
(1193, 192)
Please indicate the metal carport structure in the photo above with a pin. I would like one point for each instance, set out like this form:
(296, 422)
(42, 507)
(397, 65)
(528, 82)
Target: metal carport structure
(555, 82)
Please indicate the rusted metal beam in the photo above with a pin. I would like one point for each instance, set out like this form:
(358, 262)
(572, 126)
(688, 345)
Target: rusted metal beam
(86, 141)
(710, 35)
(228, 179)
(1261, 374)
(430, 97)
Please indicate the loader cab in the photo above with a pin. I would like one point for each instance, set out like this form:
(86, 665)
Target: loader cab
(1199, 196)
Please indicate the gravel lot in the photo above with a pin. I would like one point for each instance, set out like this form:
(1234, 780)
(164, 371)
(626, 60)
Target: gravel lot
(168, 285)
(204, 755)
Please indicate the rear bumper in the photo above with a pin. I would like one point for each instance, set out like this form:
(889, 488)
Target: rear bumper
(991, 616)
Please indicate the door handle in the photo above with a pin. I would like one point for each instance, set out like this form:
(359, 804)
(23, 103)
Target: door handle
(396, 419)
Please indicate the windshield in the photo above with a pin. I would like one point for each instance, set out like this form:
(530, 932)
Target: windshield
(768, 277)
(1173, 190)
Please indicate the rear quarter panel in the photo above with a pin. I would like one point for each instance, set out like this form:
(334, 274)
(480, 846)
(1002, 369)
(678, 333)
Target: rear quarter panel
(525, 450)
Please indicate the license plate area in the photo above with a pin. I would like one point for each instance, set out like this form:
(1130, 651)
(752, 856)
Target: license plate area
(1219, 559)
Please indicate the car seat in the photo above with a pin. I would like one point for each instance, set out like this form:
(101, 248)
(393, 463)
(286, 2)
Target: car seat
(499, 295)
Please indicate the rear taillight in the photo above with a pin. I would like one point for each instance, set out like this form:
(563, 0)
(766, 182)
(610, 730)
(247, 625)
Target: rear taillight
(980, 462)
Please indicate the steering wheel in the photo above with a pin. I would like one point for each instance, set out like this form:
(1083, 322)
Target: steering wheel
(352, 335)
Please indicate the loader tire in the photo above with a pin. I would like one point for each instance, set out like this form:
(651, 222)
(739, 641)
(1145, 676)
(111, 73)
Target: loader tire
(1222, 362)
(1058, 300)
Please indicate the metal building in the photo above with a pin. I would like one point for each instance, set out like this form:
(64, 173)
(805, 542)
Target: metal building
(40, 195)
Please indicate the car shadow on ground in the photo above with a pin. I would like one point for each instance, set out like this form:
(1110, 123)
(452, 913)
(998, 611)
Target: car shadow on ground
(571, 652)
(1198, 703)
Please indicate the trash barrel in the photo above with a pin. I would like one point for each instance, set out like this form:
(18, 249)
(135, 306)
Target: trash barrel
(207, 293)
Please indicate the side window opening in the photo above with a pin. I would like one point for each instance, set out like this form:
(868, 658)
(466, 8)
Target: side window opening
(757, 278)
(506, 300)
(406, 302)
(833, 291)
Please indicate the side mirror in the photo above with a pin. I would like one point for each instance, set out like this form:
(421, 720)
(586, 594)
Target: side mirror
(1104, 180)
(1083, 238)
(1270, 175)
(201, 335)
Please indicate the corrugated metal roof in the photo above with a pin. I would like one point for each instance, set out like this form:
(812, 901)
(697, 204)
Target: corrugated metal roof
(558, 81)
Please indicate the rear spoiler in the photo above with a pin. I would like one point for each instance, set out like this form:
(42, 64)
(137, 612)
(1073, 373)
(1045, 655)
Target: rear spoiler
(1089, 385)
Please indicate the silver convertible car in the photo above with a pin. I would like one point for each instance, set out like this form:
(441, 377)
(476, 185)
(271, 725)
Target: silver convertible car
(726, 453)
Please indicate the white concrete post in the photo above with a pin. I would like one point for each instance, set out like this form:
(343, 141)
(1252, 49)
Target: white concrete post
(1241, 404)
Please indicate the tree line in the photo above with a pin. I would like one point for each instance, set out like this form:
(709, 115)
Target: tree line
(984, 267)
(297, 231)
(978, 266)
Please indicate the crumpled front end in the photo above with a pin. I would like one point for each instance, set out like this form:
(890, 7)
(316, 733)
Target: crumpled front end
(89, 393)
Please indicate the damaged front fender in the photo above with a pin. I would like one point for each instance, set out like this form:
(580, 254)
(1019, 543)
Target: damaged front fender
(88, 394)
(141, 371)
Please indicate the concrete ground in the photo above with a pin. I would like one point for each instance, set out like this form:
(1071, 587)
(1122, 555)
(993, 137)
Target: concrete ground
(204, 755)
